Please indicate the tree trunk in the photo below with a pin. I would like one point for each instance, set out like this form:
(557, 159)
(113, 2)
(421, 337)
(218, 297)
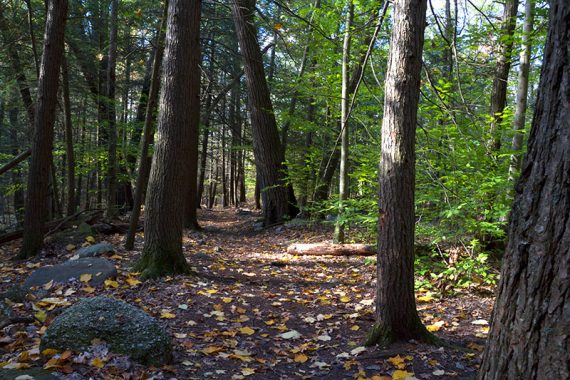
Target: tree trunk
(148, 133)
(38, 178)
(269, 155)
(343, 171)
(112, 115)
(169, 179)
(69, 154)
(522, 91)
(396, 314)
(529, 334)
(503, 65)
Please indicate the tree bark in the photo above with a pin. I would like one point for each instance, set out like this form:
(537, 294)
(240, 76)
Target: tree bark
(148, 133)
(396, 314)
(169, 179)
(522, 90)
(343, 170)
(500, 80)
(269, 155)
(38, 178)
(529, 335)
(111, 210)
(69, 154)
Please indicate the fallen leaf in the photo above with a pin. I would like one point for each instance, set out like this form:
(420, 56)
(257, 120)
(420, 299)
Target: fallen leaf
(227, 299)
(344, 299)
(247, 330)
(401, 375)
(97, 362)
(247, 371)
(426, 298)
(133, 281)
(88, 289)
(301, 358)
(292, 334)
(111, 283)
(90, 239)
(167, 315)
(212, 350)
(85, 277)
(436, 326)
(397, 361)
(41, 316)
(358, 350)
(480, 322)
(438, 372)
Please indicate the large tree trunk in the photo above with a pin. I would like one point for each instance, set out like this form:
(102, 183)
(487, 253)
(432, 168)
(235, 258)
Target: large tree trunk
(522, 91)
(269, 155)
(38, 178)
(148, 133)
(179, 109)
(503, 65)
(396, 314)
(343, 170)
(529, 336)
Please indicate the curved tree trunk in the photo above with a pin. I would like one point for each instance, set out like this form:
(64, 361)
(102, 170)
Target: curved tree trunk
(529, 336)
(179, 109)
(396, 315)
(269, 155)
(37, 208)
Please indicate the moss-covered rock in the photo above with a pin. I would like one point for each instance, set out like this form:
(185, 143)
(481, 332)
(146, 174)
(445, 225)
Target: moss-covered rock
(30, 373)
(126, 330)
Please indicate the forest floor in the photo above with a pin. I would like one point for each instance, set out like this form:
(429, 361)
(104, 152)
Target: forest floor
(253, 311)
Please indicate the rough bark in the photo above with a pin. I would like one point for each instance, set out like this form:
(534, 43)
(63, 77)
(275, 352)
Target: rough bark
(38, 178)
(500, 79)
(269, 155)
(522, 90)
(164, 218)
(529, 335)
(328, 249)
(148, 134)
(396, 314)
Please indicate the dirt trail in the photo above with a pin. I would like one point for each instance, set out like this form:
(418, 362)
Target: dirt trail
(252, 311)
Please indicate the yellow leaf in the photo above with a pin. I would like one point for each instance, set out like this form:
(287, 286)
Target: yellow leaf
(376, 377)
(247, 330)
(90, 239)
(69, 247)
(88, 289)
(86, 277)
(436, 326)
(270, 322)
(425, 298)
(344, 299)
(96, 362)
(133, 281)
(355, 328)
(475, 346)
(167, 315)
(49, 352)
(111, 283)
(397, 361)
(247, 371)
(212, 350)
(40, 316)
(48, 285)
(278, 26)
(211, 291)
(227, 299)
(301, 358)
(401, 375)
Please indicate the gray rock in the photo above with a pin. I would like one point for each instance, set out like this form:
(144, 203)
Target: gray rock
(35, 373)
(126, 330)
(100, 269)
(94, 250)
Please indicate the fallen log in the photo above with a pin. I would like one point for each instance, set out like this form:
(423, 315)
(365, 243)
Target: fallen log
(330, 249)
(15, 161)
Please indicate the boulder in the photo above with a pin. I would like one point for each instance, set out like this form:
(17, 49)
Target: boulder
(94, 250)
(100, 269)
(125, 328)
(30, 373)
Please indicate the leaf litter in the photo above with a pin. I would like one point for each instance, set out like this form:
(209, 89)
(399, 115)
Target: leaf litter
(249, 311)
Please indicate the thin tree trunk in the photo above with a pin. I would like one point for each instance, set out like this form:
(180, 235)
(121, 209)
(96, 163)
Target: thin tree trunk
(529, 334)
(339, 233)
(500, 80)
(522, 91)
(112, 114)
(38, 178)
(69, 154)
(396, 314)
